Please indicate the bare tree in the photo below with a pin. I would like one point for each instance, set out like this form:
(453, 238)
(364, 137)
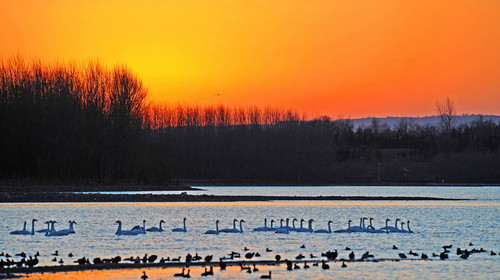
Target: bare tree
(447, 114)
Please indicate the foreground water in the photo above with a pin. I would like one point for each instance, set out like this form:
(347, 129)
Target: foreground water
(435, 224)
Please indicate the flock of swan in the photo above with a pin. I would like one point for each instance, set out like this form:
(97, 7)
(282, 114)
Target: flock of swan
(284, 228)
(49, 231)
(142, 230)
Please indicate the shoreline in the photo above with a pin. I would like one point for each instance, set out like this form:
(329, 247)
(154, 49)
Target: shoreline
(41, 197)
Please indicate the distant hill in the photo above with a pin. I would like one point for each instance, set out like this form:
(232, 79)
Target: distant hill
(431, 120)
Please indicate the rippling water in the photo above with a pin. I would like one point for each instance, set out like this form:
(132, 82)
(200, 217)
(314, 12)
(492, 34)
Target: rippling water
(435, 224)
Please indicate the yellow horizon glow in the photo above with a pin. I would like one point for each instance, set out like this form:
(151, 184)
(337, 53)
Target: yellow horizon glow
(341, 58)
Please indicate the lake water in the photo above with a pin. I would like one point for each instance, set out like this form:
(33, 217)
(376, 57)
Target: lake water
(435, 223)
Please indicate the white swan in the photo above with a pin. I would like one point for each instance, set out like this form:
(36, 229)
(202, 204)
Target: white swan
(264, 228)
(63, 231)
(283, 230)
(293, 225)
(216, 231)
(329, 230)
(408, 225)
(24, 231)
(348, 229)
(309, 229)
(402, 229)
(392, 228)
(139, 229)
(358, 228)
(119, 231)
(372, 229)
(183, 229)
(231, 230)
(241, 226)
(45, 229)
(156, 229)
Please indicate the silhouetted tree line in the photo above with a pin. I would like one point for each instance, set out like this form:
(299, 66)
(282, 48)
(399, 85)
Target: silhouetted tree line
(93, 124)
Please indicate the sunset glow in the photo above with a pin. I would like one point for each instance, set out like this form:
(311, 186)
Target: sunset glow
(341, 58)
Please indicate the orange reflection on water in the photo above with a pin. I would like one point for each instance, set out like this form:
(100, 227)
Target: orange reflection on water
(232, 272)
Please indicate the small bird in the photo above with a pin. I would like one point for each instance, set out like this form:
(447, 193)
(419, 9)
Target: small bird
(424, 256)
(249, 255)
(296, 266)
(54, 259)
(180, 274)
(306, 266)
(268, 250)
(257, 254)
(246, 249)
(351, 255)
(222, 264)
(266, 276)
(277, 258)
(443, 256)
(70, 255)
(56, 253)
(144, 276)
(401, 255)
(208, 258)
(492, 253)
(303, 246)
(347, 248)
(470, 244)
(61, 261)
(394, 247)
(324, 265)
(343, 264)
(255, 269)
(289, 265)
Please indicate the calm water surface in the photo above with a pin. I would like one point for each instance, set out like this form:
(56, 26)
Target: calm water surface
(435, 224)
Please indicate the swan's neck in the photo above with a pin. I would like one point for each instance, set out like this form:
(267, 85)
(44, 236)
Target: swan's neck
(32, 227)
(216, 226)
(265, 223)
(281, 223)
(24, 227)
(301, 223)
(241, 226)
(293, 223)
(310, 225)
(408, 226)
(70, 225)
(329, 227)
(349, 224)
(184, 222)
(119, 228)
(272, 222)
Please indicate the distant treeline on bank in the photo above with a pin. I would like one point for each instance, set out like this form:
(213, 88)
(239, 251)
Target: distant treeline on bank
(93, 124)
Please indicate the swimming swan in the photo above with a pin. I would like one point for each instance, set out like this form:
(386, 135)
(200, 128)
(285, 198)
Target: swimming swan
(233, 230)
(283, 230)
(156, 229)
(183, 229)
(348, 229)
(329, 230)
(24, 231)
(264, 228)
(45, 229)
(216, 231)
(119, 231)
(309, 229)
(139, 229)
(63, 231)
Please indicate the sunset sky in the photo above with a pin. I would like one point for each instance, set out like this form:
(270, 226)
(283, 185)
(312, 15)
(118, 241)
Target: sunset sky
(353, 58)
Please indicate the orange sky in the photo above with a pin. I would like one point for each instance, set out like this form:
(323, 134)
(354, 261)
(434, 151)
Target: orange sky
(352, 58)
